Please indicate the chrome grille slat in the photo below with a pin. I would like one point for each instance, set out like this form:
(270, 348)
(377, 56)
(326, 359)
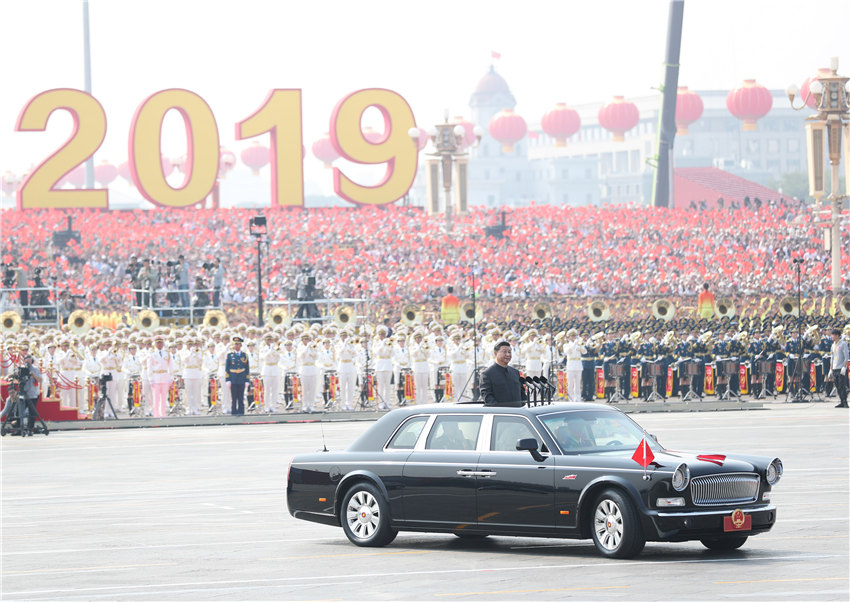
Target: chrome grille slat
(721, 489)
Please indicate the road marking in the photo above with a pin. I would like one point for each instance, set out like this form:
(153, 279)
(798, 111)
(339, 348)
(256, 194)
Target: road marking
(401, 574)
(535, 591)
(87, 569)
(783, 580)
(349, 555)
(202, 544)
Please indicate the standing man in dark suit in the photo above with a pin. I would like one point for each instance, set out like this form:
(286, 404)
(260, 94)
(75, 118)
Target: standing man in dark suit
(236, 371)
(500, 384)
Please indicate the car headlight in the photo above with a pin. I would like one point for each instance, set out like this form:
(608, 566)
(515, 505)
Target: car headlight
(681, 477)
(774, 471)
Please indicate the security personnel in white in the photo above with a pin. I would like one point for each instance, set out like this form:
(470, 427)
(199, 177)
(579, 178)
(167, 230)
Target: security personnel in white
(573, 350)
(160, 373)
(382, 353)
(270, 358)
(192, 361)
(346, 368)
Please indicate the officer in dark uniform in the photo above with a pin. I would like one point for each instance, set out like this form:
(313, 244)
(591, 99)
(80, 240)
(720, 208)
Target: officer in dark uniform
(236, 371)
(589, 360)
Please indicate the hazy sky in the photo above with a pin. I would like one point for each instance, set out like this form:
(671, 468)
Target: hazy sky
(432, 53)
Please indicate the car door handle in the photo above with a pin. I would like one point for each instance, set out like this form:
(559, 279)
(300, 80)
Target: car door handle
(466, 472)
(486, 473)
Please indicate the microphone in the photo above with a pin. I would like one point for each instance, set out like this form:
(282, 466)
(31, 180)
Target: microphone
(546, 393)
(546, 382)
(531, 386)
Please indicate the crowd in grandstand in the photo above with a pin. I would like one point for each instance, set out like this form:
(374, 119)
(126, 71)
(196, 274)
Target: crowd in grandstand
(397, 255)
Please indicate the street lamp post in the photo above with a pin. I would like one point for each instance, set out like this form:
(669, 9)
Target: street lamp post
(831, 94)
(258, 228)
(447, 139)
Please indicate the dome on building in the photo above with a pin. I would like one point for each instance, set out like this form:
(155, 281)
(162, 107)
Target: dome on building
(492, 90)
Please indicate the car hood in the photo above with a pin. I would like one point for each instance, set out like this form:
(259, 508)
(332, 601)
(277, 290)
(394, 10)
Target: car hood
(708, 463)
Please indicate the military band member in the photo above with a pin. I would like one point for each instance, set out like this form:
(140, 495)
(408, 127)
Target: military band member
(346, 368)
(308, 371)
(132, 368)
(288, 366)
(382, 353)
(237, 369)
(160, 373)
(110, 364)
(419, 364)
(436, 360)
(457, 358)
(192, 363)
(72, 392)
(270, 357)
(401, 361)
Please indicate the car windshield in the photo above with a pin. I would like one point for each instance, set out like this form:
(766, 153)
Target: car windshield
(588, 431)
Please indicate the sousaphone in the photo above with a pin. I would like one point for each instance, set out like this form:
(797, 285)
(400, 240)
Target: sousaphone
(724, 308)
(215, 318)
(598, 311)
(80, 321)
(147, 320)
(345, 316)
(788, 306)
(412, 315)
(470, 312)
(10, 321)
(541, 311)
(844, 306)
(279, 317)
(663, 309)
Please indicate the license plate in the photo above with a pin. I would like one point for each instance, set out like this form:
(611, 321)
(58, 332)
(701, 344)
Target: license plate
(738, 521)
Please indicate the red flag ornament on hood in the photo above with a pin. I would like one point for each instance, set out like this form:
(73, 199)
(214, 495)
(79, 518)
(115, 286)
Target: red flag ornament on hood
(643, 454)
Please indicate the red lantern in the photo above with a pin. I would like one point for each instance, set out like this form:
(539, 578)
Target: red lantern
(560, 123)
(688, 109)
(324, 150)
(508, 128)
(226, 161)
(749, 103)
(423, 139)
(124, 171)
(10, 183)
(256, 157)
(618, 117)
(804, 89)
(167, 166)
(105, 173)
(372, 136)
(468, 131)
(76, 177)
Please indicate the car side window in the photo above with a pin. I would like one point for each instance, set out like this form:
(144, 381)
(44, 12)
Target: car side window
(507, 430)
(406, 436)
(454, 432)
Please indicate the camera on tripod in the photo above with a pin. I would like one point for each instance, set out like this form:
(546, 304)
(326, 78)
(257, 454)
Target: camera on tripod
(103, 379)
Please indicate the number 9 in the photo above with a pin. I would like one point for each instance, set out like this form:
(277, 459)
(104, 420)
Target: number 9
(396, 149)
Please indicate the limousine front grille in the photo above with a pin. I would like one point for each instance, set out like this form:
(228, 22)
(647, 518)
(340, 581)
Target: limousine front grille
(722, 489)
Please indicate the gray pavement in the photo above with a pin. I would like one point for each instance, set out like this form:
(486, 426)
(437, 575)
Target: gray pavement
(200, 514)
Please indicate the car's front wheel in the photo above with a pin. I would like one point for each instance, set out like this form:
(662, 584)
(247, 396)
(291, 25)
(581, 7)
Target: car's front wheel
(724, 543)
(615, 526)
(366, 516)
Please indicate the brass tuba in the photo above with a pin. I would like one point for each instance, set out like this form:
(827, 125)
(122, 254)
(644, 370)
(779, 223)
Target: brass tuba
(470, 311)
(598, 311)
(724, 308)
(10, 321)
(215, 318)
(663, 309)
(345, 316)
(147, 320)
(541, 311)
(412, 315)
(80, 321)
(279, 317)
(788, 307)
(844, 306)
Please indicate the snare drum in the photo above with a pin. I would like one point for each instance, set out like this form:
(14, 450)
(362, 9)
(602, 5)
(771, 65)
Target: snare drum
(693, 368)
(442, 371)
(331, 384)
(727, 367)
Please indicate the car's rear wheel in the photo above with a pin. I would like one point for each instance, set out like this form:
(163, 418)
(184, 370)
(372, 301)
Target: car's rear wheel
(615, 526)
(724, 543)
(366, 516)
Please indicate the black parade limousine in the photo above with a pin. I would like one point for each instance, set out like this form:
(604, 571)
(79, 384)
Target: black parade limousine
(557, 470)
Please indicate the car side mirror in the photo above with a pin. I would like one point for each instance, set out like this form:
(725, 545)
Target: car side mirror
(530, 445)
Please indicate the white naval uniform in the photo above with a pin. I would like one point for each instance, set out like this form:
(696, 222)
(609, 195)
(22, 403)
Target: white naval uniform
(309, 373)
(573, 351)
(270, 357)
(72, 391)
(420, 366)
(382, 352)
(226, 403)
(346, 354)
(160, 373)
(132, 366)
(436, 360)
(210, 368)
(110, 364)
(192, 362)
(532, 351)
(401, 361)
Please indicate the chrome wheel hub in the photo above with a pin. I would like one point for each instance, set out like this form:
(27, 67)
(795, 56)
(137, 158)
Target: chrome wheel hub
(363, 514)
(608, 524)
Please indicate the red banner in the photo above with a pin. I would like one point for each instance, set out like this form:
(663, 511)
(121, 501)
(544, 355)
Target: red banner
(136, 390)
(449, 387)
(173, 394)
(634, 381)
(669, 381)
(562, 383)
(780, 376)
(600, 383)
(813, 377)
(743, 382)
(709, 379)
(93, 393)
(259, 392)
(213, 392)
(409, 388)
(296, 389)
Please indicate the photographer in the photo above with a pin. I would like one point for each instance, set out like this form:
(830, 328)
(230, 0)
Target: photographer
(28, 379)
(218, 282)
(202, 297)
(182, 270)
(66, 306)
(134, 271)
(40, 295)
